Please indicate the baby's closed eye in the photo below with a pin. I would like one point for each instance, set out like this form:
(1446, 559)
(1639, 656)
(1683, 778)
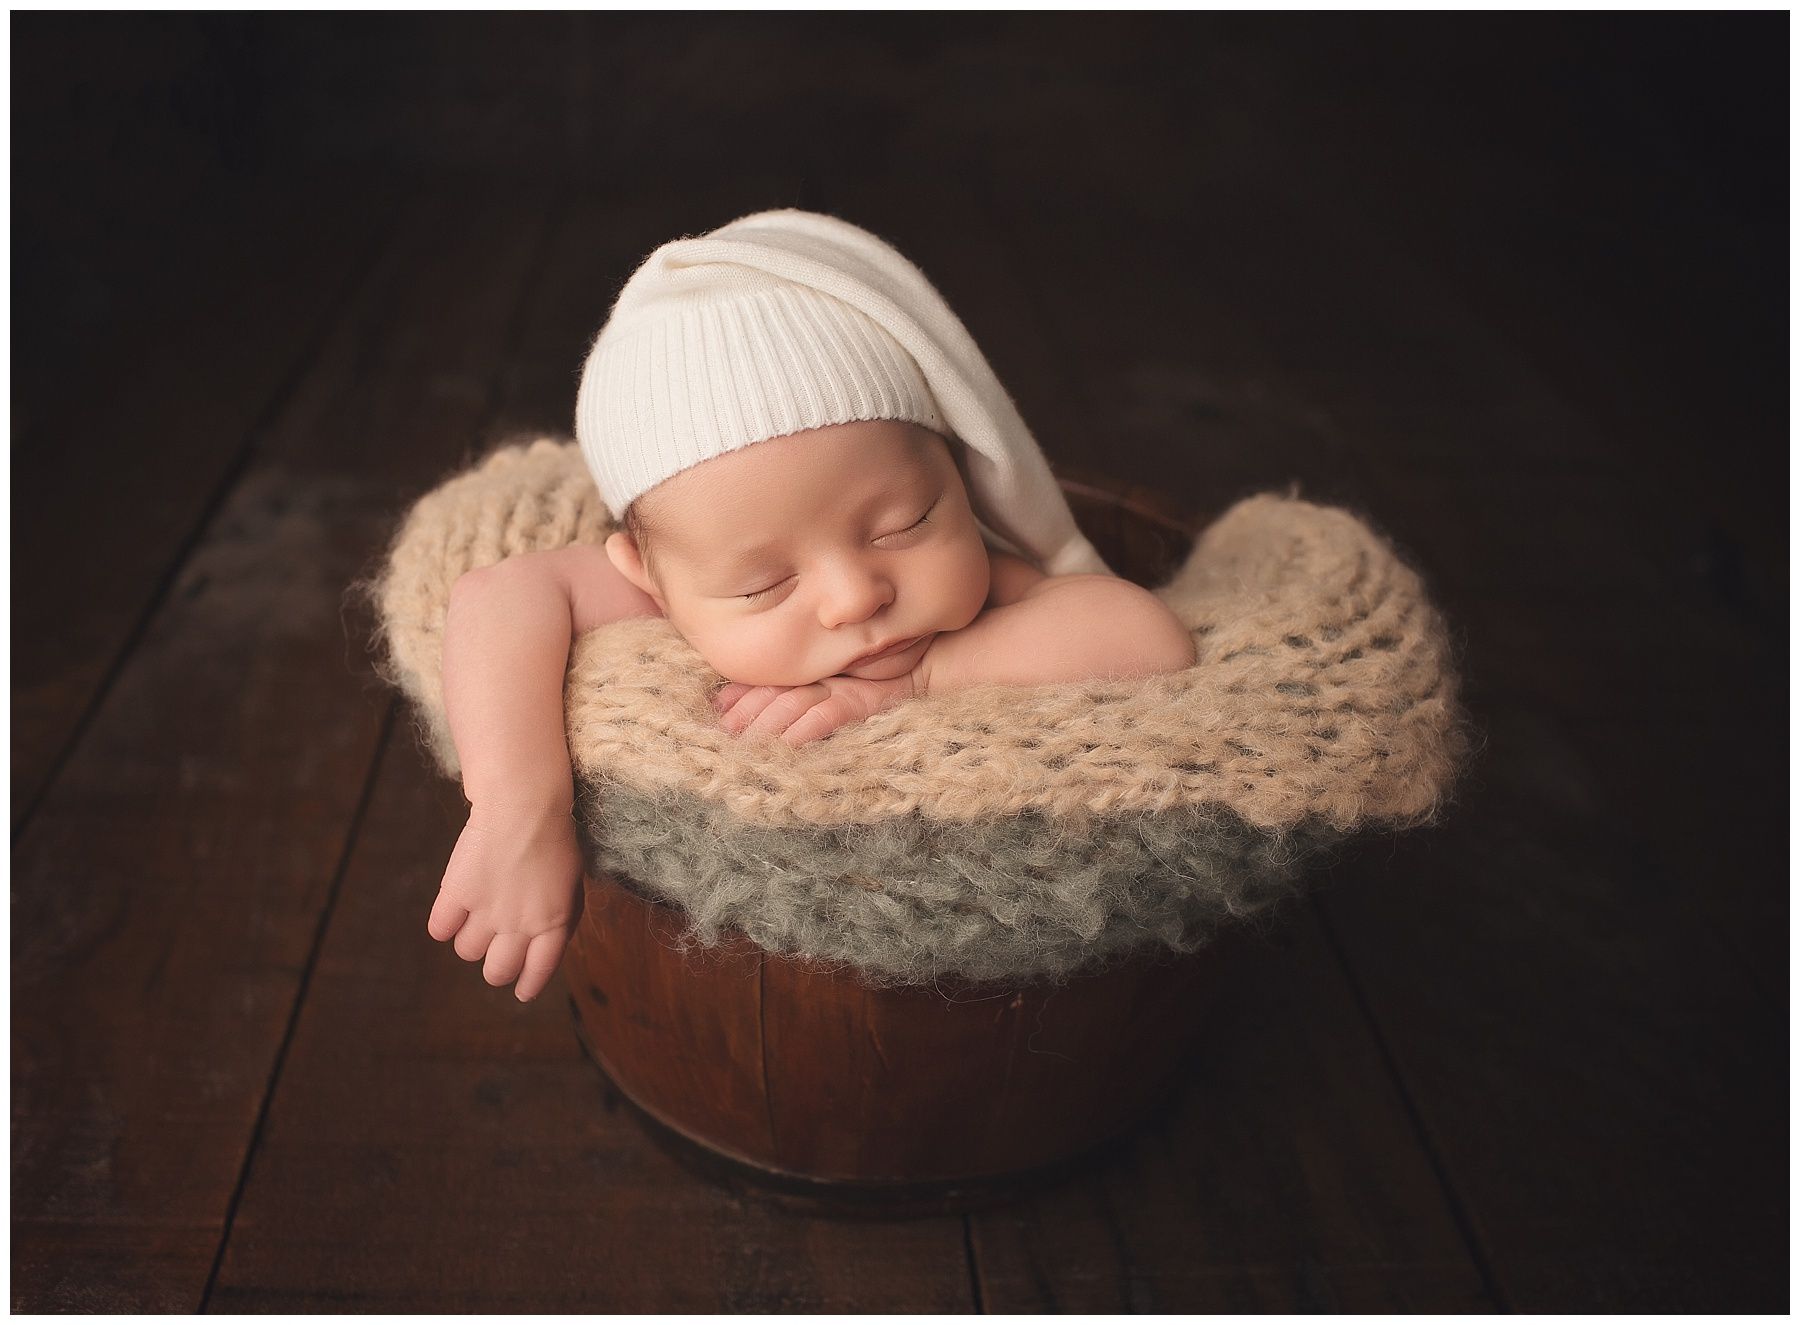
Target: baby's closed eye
(758, 595)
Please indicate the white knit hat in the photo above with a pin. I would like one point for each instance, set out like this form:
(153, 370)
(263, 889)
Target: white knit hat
(784, 321)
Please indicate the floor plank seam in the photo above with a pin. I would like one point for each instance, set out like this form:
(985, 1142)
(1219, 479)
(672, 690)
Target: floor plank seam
(1459, 1209)
(980, 1306)
(511, 339)
(338, 873)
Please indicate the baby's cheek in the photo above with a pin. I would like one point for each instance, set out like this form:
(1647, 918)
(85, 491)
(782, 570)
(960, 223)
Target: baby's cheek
(965, 586)
(709, 641)
(751, 653)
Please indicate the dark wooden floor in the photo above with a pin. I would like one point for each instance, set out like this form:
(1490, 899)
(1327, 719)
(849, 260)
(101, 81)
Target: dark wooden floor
(1533, 1060)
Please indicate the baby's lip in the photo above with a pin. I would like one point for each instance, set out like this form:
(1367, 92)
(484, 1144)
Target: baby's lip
(898, 646)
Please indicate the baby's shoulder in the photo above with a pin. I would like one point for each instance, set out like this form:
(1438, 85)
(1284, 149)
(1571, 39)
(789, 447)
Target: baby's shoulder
(598, 593)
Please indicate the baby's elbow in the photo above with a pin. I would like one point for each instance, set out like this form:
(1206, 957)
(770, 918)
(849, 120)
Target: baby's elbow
(1168, 645)
(476, 596)
(500, 581)
(1181, 651)
(1158, 642)
(467, 587)
(488, 597)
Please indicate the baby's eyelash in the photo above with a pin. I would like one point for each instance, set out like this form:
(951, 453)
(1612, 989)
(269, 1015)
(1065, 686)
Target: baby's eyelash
(762, 593)
(924, 519)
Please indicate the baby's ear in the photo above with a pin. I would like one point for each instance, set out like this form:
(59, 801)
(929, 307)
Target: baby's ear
(623, 553)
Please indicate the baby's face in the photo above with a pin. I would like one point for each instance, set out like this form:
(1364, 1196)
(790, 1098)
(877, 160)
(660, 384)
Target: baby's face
(785, 561)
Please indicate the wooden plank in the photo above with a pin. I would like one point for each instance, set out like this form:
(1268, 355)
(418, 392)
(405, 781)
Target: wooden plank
(1373, 1200)
(128, 443)
(157, 962)
(1693, 770)
(435, 1146)
(1611, 889)
(1563, 1023)
(409, 1078)
(1286, 1178)
(1585, 1056)
(1605, 1084)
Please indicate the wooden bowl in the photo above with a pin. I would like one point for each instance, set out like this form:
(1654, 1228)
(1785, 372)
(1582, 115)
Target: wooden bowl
(835, 1096)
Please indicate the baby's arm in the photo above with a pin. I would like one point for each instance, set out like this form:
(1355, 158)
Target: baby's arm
(509, 889)
(1034, 630)
(1057, 628)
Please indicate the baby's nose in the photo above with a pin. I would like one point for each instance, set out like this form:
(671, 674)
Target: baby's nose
(857, 597)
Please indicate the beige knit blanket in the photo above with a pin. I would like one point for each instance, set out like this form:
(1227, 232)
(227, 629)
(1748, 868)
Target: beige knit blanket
(1323, 701)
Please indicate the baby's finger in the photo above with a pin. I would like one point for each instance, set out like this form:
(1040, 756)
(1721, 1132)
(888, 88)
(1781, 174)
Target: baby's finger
(472, 941)
(730, 695)
(787, 706)
(505, 955)
(749, 704)
(540, 964)
(818, 721)
(447, 916)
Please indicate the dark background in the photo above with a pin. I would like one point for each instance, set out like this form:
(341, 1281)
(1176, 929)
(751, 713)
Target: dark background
(1511, 286)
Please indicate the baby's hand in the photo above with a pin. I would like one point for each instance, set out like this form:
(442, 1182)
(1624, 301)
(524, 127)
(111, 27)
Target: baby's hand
(508, 894)
(805, 713)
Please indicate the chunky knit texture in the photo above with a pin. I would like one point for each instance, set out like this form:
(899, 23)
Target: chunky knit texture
(1000, 832)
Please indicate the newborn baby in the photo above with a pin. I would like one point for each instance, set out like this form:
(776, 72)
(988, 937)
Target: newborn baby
(825, 572)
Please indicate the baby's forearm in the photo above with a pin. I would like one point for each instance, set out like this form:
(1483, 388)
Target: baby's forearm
(1065, 628)
(506, 653)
